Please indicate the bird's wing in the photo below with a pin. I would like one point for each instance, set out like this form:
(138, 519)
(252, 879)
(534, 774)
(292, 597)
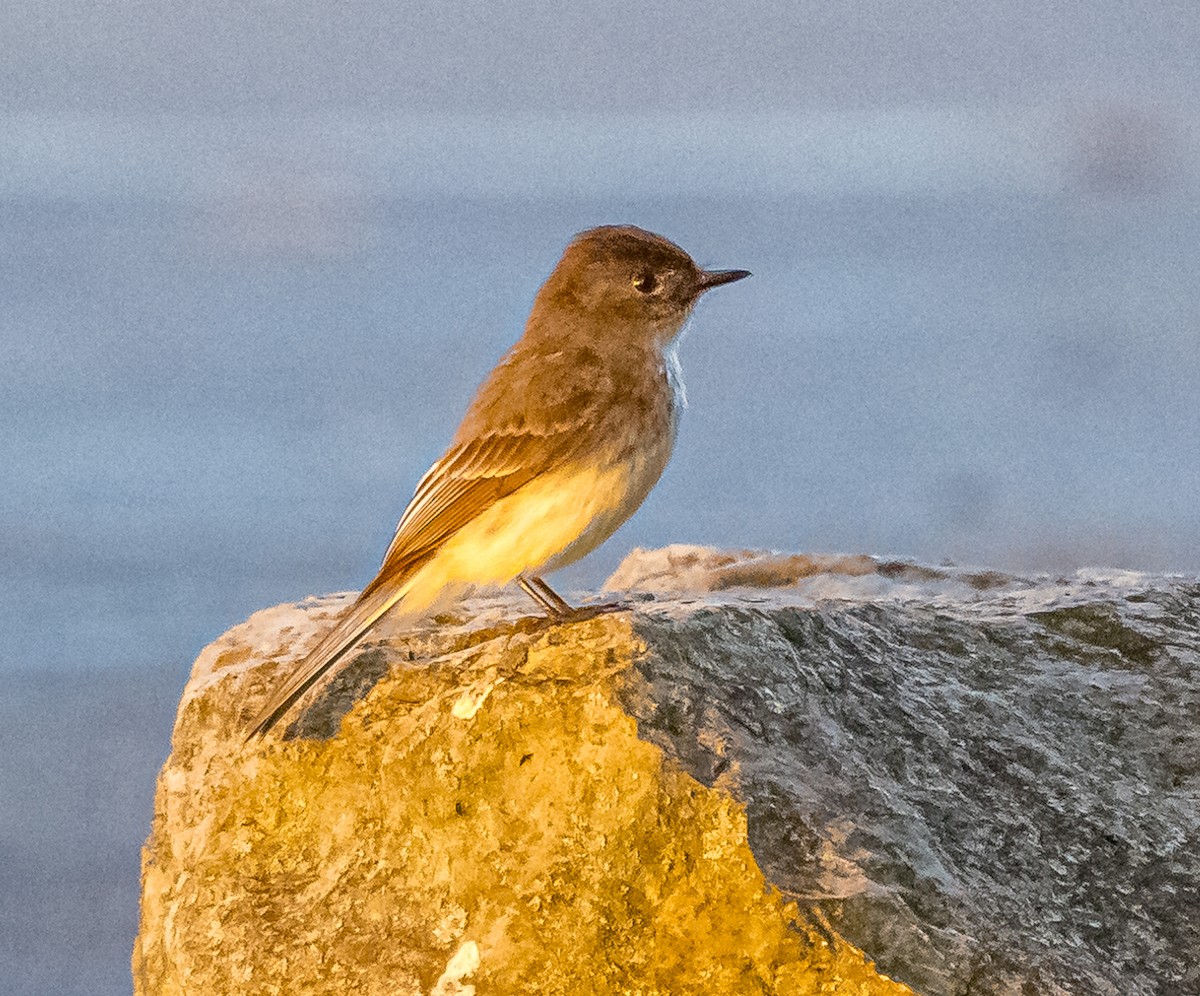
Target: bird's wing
(467, 481)
(464, 484)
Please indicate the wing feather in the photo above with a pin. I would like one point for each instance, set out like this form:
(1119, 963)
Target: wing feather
(467, 481)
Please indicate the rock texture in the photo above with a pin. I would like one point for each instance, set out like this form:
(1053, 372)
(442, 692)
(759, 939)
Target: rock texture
(864, 777)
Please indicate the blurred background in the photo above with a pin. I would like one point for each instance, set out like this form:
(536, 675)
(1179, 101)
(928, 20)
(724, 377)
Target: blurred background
(254, 260)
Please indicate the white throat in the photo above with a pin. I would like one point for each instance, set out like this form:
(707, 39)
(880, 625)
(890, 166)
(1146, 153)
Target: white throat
(674, 370)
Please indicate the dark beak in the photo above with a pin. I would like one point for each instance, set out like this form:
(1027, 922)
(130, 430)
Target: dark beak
(714, 278)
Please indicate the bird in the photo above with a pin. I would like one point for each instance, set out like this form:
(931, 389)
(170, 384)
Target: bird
(561, 444)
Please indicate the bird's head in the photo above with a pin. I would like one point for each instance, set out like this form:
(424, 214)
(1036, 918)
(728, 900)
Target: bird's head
(628, 280)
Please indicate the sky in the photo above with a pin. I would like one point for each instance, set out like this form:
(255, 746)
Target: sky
(142, 56)
(119, 98)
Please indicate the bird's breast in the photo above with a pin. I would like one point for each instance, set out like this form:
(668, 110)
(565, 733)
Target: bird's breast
(612, 493)
(552, 521)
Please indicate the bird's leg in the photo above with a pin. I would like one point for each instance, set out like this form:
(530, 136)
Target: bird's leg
(550, 601)
(560, 603)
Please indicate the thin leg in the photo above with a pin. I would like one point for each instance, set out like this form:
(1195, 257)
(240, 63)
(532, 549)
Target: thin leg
(546, 597)
(560, 604)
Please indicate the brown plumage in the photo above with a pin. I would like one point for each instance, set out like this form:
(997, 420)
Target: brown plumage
(561, 444)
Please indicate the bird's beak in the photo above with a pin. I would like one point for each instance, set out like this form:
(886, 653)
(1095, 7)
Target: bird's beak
(714, 278)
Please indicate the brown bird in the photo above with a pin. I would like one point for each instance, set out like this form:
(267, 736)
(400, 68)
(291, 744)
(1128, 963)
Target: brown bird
(561, 444)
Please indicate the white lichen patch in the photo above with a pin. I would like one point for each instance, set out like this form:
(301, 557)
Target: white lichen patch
(472, 699)
(463, 964)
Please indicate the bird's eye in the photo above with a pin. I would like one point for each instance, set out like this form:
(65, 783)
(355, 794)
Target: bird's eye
(647, 283)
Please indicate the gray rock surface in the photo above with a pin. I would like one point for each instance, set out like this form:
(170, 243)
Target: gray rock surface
(996, 781)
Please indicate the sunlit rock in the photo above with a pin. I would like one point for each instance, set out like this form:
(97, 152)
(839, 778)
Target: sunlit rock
(963, 781)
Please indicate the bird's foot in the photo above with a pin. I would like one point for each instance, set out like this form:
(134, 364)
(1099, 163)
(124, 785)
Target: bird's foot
(581, 612)
(557, 607)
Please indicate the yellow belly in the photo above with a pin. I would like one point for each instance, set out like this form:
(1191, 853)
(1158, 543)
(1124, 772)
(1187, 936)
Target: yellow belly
(550, 522)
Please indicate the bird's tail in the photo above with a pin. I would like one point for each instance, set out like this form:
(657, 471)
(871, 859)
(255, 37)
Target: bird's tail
(350, 628)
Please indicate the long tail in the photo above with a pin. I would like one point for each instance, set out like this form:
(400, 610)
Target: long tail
(351, 628)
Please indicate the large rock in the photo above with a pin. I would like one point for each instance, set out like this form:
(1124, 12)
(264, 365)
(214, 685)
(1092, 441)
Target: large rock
(987, 785)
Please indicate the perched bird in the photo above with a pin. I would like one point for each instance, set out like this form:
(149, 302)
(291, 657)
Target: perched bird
(561, 444)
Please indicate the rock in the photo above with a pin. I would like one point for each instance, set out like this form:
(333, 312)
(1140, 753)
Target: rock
(963, 782)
